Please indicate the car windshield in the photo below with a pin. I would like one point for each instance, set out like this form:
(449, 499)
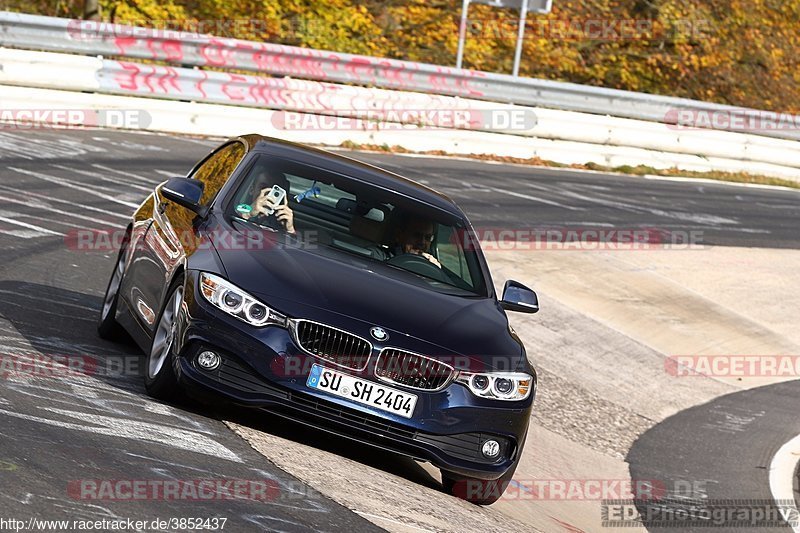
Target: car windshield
(335, 214)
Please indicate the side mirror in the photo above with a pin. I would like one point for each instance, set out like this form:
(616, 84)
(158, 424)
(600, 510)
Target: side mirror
(185, 192)
(518, 297)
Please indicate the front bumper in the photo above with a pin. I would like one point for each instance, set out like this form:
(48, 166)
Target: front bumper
(263, 368)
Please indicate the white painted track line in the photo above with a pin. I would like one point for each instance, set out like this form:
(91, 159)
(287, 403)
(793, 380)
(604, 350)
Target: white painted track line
(33, 227)
(45, 197)
(67, 183)
(781, 476)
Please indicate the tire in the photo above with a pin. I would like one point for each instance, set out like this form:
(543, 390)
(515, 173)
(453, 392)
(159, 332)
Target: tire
(160, 380)
(107, 327)
(477, 491)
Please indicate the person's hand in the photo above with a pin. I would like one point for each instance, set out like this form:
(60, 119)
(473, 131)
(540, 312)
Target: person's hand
(412, 249)
(262, 205)
(283, 213)
(432, 259)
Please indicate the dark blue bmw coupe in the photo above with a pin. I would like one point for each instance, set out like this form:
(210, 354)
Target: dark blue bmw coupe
(333, 293)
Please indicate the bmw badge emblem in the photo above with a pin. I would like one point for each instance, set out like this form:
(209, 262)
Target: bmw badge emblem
(379, 333)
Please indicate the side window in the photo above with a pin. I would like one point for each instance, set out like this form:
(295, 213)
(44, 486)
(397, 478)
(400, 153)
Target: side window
(451, 254)
(216, 170)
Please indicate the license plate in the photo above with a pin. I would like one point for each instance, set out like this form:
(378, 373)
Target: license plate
(362, 391)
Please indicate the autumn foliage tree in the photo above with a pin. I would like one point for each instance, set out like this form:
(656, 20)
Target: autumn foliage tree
(728, 51)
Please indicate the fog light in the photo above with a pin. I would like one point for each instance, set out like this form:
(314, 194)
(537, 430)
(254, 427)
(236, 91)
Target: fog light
(491, 449)
(208, 360)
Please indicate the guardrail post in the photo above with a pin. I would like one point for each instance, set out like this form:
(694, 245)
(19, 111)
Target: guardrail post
(462, 33)
(91, 10)
(523, 13)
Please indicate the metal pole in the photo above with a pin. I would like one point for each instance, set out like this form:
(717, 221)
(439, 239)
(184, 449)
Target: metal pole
(462, 33)
(523, 13)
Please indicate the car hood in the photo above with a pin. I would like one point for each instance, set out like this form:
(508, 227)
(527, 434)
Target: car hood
(355, 295)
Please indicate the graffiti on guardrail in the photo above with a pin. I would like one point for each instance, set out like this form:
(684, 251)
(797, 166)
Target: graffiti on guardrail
(210, 51)
(93, 39)
(343, 107)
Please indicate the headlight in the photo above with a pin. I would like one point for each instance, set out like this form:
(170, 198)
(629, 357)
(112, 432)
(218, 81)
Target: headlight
(498, 385)
(234, 301)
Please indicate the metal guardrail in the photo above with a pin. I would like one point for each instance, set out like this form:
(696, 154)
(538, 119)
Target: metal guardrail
(91, 38)
(322, 106)
(185, 100)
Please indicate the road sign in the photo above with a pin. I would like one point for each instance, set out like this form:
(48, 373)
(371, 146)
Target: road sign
(536, 6)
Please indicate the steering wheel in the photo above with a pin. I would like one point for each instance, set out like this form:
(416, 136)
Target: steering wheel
(419, 265)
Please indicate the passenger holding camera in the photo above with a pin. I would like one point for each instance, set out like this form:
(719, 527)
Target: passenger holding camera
(265, 209)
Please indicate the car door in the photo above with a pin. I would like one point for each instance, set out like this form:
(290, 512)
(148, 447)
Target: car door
(172, 234)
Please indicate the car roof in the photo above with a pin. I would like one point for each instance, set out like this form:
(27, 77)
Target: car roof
(350, 167)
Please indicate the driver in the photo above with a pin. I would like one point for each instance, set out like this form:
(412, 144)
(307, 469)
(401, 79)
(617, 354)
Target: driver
(259, 203)
(415, 236)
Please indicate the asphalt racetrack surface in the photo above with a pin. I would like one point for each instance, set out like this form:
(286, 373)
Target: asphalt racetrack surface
(61, 435)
